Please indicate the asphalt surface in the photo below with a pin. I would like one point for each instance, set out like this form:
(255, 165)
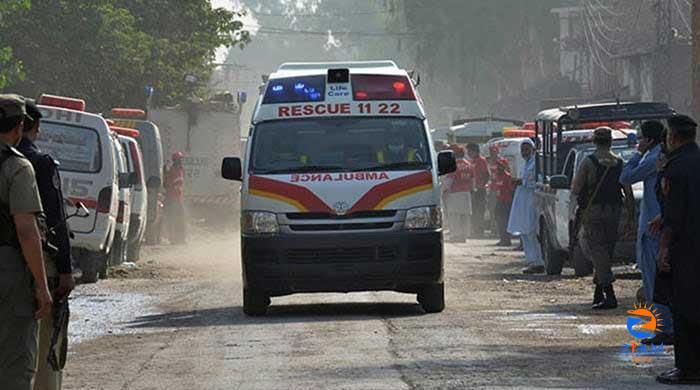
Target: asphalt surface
(175, 322)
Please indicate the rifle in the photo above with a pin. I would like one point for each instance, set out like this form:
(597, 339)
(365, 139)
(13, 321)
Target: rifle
(60, 314)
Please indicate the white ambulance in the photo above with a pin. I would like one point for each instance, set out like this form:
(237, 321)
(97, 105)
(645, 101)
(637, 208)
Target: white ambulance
(138, 202)
(120, 246)
(340, 186)
(81, 142)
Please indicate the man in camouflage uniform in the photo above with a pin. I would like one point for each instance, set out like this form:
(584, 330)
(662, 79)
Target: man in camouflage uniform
(600, 195)
(58, 264)
(24, 293)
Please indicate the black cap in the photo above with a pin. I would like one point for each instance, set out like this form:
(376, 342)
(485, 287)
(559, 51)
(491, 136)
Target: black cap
(681, 121)
(32, 110)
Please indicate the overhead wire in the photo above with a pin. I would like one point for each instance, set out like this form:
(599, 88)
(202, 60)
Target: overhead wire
(275, 30)
(595, 38)
(333, 15)
(607, 9)
(594, 52)
(680, 13)
(597, 12)
(589, 8)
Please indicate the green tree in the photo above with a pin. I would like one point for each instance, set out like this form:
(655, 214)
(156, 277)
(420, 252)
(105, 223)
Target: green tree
(10, 68)
(107, 51)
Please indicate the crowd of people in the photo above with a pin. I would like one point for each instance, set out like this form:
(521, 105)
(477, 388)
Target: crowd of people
(481, 183)
(667, 164)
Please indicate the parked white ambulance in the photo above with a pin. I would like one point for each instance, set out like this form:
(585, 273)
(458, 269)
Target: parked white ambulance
(121, 238)
(340, 186)
(138, 200)
(82, 144)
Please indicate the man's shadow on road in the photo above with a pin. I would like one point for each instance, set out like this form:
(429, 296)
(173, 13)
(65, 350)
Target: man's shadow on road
(278, 314)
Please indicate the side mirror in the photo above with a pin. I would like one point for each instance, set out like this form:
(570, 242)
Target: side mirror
(231, 169)
(134, 178)
(81, 211)
(446, 162)
(559, 182)
(124, 181)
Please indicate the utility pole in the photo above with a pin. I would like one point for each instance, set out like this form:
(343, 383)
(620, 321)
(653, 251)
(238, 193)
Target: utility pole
(696, 59)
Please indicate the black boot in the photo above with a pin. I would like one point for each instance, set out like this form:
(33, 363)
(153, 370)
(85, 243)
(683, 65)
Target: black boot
(610, 301)
(598, 296)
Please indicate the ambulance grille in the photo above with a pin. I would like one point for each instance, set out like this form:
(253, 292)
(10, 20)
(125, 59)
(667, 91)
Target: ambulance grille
(357, 215)
(341, 226)
(342, 255)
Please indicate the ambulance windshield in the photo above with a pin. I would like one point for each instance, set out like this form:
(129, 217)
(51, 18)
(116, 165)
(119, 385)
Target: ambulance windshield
(76, 148)
(339, 145)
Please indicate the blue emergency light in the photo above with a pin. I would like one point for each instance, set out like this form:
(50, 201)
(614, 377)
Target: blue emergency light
(295, 90)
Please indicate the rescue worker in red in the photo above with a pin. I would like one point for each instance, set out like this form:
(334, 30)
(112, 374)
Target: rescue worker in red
(175, 200)
(458, 186)
(494, 160)
(503, 187)
(481, 180)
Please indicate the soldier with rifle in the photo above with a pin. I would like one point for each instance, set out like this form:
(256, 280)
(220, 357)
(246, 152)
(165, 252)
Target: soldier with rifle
(53, 329)
(24, 294)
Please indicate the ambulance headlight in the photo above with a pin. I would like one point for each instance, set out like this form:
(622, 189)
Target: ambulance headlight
(259, 222)
(423, 218)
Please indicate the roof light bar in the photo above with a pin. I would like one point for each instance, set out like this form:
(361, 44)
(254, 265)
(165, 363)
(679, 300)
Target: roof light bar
(132, 113)
(62, 102)
(125, 131)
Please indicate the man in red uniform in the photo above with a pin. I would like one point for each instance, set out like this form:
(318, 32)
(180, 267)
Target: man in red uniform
(503, 187)
(175, 200)
(494, 160)
(481, 179)
(458, 187)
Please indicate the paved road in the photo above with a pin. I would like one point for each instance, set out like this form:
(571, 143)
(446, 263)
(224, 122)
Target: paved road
(176, 323)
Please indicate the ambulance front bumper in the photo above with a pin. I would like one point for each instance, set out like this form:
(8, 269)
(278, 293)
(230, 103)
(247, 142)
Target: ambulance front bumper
(284, 264)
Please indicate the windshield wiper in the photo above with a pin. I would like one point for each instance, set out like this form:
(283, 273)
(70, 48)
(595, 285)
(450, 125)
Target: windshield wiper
(395, 166)
(302, 169)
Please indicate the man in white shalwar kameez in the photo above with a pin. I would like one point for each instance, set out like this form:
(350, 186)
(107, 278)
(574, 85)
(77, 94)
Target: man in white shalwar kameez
(523, 216)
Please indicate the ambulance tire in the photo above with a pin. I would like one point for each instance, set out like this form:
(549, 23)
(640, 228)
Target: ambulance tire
(119, 252)
(582, 265)
(103, 267)
(553, 260)
(255, 303)
(432, 298)
(89, 265)
(134, 252)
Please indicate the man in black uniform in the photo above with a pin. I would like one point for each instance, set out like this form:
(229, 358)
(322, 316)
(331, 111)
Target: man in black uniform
(679, 246)
(58, 265)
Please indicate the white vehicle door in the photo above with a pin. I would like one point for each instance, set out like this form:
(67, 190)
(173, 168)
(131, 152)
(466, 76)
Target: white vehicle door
(563, 202)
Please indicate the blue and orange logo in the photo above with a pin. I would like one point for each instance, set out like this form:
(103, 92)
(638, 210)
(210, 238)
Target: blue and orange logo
(643, 321)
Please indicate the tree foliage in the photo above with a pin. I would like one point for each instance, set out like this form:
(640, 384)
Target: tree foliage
(475, 53)
(108, 51)
(10, 67)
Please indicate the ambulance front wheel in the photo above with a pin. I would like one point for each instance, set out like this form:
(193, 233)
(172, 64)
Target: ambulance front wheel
(90, 264)
(432, 298)
(255, 303)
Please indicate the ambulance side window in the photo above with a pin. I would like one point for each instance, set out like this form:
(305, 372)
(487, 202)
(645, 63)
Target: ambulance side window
(569, 165)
